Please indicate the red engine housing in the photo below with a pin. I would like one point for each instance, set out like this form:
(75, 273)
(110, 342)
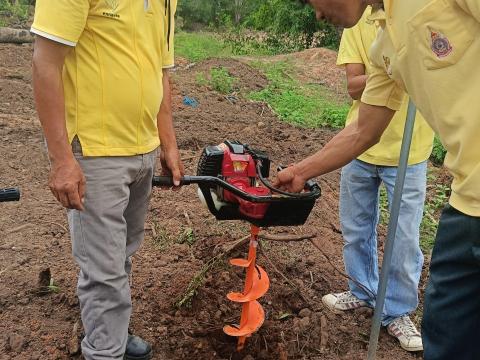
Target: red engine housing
(240, 171)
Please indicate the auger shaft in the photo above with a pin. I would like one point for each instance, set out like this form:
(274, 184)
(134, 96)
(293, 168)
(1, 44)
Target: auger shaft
(252, 257)
(256, 285)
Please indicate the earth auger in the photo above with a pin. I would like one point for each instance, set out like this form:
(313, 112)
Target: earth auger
(232, 181)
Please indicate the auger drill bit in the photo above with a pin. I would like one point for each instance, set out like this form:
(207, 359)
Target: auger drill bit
(256, 285)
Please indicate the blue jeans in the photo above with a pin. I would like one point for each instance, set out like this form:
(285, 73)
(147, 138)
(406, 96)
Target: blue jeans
(359, 216)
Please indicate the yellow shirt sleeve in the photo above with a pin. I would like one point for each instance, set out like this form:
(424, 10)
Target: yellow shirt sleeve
(381, 90)
(168, 38)
(61, 20)
(349, 53)
(471, 7)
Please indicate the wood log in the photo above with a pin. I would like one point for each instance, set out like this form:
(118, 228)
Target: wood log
(15, 36)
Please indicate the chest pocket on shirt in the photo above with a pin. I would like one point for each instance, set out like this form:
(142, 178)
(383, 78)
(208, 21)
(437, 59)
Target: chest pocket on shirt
(444, 31)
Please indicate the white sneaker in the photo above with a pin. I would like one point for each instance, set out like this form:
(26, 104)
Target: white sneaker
(405, 331)
(338, 303)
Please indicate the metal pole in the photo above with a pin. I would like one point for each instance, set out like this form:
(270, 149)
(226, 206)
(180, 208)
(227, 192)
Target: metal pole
(392, 230)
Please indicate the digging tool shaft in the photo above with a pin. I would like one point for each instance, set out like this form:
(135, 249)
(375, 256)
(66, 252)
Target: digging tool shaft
(392, 230)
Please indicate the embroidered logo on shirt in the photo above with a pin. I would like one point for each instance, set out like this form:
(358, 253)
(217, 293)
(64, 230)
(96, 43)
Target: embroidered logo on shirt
(388, 65)
(440, 44)
(113, 5)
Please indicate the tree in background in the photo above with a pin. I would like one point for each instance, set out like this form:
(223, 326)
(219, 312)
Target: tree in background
(290, 25)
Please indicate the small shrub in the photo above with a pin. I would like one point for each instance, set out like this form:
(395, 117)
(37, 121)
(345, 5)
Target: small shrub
(221, 80)
(438, 152)
(201, 79)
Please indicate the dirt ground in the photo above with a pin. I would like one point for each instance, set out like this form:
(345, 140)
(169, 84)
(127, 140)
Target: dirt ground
(181, 236)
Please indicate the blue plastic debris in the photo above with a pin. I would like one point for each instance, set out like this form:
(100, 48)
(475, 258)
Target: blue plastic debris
(190, 101)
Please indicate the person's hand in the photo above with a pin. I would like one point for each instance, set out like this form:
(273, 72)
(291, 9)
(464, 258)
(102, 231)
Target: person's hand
(289, 180)
(67, 183)
(171, 164)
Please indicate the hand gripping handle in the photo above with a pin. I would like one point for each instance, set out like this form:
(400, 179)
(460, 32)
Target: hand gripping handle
(167, 181)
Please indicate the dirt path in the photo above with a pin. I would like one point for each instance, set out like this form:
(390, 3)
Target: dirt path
(184, 237)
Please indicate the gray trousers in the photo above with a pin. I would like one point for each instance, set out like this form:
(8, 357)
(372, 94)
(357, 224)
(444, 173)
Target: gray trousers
(104, 237)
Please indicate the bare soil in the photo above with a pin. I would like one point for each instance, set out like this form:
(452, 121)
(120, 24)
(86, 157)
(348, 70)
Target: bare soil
(37, 322)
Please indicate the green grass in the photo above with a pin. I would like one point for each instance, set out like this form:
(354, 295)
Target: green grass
(296, 103)
(200, 46)
(219, 79)
(17, 12)
(429, 226)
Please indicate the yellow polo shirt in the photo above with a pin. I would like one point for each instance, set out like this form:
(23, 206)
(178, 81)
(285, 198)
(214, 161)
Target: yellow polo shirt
(354, 49)
(431, 48)
(113, 77)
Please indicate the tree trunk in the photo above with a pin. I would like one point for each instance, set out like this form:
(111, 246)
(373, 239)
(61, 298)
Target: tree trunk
(238, 11)
(15, 36)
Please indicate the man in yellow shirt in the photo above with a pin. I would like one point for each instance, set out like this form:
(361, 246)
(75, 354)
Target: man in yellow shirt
(359, 202)
(430, 48)
(103, 98)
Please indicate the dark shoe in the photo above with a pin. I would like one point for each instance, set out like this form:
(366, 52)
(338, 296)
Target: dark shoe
(137, 349)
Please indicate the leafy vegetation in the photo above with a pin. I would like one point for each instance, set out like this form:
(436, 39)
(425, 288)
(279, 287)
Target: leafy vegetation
(433, 205)
(14, 11)
(438, 153)
(200, 46)
(287, 25)
(304, 105)
(219, 80)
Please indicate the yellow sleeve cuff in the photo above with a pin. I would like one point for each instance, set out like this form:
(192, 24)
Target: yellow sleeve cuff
(390, 102)
(381, 90)
(349, 60)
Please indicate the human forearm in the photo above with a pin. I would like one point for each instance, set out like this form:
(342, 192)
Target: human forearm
(343, 148)
(350, 143)
(166, 131)
(66, 180)
(50, 104)
(169, 155)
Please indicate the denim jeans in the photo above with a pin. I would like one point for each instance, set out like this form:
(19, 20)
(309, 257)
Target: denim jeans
(359, 216)
(451, 317)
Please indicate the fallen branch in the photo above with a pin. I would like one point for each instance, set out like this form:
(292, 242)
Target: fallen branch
(323, 333)
(197, 280)
(199, 277)
(307, 301)
(187, 218)
(18, 228)
(370, 294)
(15, 36)
(286, 238)
(55, 223)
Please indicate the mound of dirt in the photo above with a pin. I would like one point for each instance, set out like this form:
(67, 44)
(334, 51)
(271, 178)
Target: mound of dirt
(181, 239)
(314, 66)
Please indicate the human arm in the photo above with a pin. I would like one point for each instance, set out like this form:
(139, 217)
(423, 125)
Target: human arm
(356, 80)
(169, 155)
(347, 145)
(66, 180)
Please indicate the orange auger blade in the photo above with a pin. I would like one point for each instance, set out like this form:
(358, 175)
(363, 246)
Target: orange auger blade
(260, 286)
(245, 263)
(256, 317)
(256, 285)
